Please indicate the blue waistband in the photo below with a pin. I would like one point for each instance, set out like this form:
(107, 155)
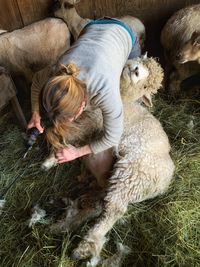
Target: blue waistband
(108, 20)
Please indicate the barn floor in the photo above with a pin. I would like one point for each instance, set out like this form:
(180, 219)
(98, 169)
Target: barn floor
(163, 232)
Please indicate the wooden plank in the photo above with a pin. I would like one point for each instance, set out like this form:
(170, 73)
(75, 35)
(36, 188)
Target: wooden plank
(153, 13)
(34, 10)
(147, 10)
(154, 10)
(105, 8)
(18, 112)
(15, 13)
(7, 91)
(86, 8)
(10, 17)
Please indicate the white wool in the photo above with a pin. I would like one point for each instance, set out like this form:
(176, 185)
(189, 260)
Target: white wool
(37, 215)
(2, 204)
(94, 261)
(190, 125)
(113, 261)
(116, 259)
(123, 249)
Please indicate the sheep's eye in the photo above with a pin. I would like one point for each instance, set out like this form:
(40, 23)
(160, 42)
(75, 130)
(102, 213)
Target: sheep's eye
(68, 5)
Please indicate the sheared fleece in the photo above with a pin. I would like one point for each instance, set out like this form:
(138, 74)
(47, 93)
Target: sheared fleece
(100, 53)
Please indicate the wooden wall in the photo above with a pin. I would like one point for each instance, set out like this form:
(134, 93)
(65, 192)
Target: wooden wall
(17, 13)
(154, 13)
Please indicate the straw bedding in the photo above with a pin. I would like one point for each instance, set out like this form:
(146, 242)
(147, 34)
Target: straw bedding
(163, 232)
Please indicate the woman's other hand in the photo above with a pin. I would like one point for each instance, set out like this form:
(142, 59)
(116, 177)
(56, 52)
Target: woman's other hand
(35, 121)
(70, 153)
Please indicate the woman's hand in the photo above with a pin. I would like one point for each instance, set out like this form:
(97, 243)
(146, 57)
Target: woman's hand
(70, 153)
(67, 154)
(35, 121)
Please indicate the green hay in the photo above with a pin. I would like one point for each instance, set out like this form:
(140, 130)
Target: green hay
(163, 232)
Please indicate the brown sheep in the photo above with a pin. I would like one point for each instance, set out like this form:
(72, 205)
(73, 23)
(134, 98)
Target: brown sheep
(176, 37)
(27, 50)
(190, 51)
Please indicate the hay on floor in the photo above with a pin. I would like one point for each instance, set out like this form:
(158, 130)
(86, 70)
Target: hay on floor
(161, 232)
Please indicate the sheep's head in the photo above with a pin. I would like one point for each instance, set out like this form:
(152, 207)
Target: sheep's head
(141, 77)
(190, 50)
(62, 8)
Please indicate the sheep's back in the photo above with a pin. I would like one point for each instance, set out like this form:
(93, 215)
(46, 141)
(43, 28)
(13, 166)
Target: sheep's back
(145, 167)
(143, 134)
(137, 26)
(34, 46)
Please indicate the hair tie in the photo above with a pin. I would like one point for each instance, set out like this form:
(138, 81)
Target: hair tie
(70, 69)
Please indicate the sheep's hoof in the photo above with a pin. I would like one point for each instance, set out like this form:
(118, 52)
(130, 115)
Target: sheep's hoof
(84, 250)
(47, 165)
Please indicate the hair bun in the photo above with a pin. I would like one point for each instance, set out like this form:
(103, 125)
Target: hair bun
(70, 69)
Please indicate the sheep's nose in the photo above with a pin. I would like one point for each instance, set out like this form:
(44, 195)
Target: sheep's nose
(135, 71)
(178, 56)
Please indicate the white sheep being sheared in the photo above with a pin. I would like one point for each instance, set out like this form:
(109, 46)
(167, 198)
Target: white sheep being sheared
(180, 40)
(27, 50)
(143, 168)
(67, 11)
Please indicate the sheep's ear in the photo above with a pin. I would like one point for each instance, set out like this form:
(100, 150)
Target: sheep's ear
(2, 31)
(195, 38)
(144, 56)
(146, 99)
(70, 3)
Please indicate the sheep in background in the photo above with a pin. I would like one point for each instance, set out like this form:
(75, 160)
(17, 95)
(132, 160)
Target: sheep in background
(66, 10)
(178, 38)
(143, 168)
(190, 51)
(27, 50)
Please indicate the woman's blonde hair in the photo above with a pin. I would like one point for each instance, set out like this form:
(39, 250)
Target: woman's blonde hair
(61, 100)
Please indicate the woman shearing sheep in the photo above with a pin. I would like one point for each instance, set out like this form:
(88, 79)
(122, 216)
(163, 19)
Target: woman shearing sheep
(87, 74)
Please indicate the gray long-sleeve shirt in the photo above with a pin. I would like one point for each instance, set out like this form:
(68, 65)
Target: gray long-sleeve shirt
(100, 53)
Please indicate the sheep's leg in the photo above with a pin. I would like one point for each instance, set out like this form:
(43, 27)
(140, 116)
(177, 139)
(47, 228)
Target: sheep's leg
(84, 175)
(100, 165)
(50, 162)
(169, 68)
(174, 83)
(116, 202)
(78, 212)
(95, 238)
(180, 74)
(125, 186)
